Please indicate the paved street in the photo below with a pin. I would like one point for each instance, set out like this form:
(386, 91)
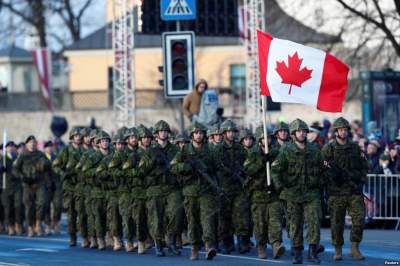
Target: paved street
(378, 246)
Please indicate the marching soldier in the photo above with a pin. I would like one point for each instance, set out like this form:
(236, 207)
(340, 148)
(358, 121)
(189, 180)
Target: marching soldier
(246, 138)
(174, 199)
(348, 168)
(281, 133)
(194, 166)
(64, 165)
(32, 168)
(11, 196)
(298, 173)
(234, 216)
(91, 174)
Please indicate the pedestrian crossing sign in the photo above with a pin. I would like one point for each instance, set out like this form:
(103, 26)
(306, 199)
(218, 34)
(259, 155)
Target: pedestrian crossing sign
(178, 9)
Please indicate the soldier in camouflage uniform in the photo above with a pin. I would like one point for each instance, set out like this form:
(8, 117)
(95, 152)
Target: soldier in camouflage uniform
(11, 196)
(33, 169)
(194, 166)
(64, 165)
(174, 212)
(94, 176)
(153, 170)
(214, 135)
(181, 140)
(266, 208)
(298, 173)
(347, 172)
(234, 216)
(111, 186)
(281, 133)
(246, 138)
(88, 148)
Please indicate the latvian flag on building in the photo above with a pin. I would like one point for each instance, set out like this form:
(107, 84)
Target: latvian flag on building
(294, 73)
(42, 61)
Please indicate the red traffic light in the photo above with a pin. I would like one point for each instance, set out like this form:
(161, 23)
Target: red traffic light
(178, 48)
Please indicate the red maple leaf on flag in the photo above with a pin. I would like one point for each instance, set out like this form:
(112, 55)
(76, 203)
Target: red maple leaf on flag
(291, 74)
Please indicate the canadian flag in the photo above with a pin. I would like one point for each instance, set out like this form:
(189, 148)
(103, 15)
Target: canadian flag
(294, 73)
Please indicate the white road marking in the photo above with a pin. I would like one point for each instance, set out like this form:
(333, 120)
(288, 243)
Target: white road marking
(38, 249)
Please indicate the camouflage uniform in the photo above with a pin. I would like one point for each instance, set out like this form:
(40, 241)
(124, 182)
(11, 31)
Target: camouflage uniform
(234, 215)
(246, 133)
(174, 212)
(266, 208)
(33, 169)
(299, 174)
(153, 170)
(194, 168)
(94, 176)
(11, 196)
(348, 169)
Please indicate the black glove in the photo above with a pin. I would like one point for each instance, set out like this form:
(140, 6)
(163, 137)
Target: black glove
(266, 157)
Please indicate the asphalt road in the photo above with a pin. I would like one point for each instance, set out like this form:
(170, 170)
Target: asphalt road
(378, 246)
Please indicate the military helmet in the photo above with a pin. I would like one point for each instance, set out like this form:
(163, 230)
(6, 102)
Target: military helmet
(121, 130)
(260, 132)
(181, 138)
(131, 132)
(228, 125)
(93, 133)
(74, 131)
(143, 131)
(298, 124)
(161, 125)
(85, 132)
(196, 126)
(213, 130)
(281, 126)
(341, 123)
(118, 138)
(102, 135)
(245, 133)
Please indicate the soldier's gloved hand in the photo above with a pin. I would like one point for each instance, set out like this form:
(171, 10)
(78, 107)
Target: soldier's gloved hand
(266, 157)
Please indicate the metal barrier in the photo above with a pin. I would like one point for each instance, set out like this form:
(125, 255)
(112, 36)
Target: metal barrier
(381, 197)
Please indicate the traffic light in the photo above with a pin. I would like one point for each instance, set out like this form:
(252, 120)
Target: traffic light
(178, 63)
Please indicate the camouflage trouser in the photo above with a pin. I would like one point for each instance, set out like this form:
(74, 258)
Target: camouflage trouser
(12, 205)
(113, 217)
(90, 216)
(125, 209)
(267, 218)
(174, 213)
(155, 208)
(234, 216)
(140, 219)
(82, 215)
(286, 217)
(54, 197)
(338, 205)
(100, 216)
(69, 203)
(200, 212)
(34, 198)
(308, 212)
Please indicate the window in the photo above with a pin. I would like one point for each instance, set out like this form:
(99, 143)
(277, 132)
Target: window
(238, 77)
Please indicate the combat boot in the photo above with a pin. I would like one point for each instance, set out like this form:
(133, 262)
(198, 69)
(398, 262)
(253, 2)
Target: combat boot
(195, 252)
(93, 243)
(38, 228)
(141, 247)
(117, 244)
(211, 252)
(159, 248)
(277, 250)
(72, 240)
(109, 240)
(179, 243)
(312, 254)
(102, 243)
(261, 251)
(172, 246)
(57, 228)
(11, 230)
(355, 251)
(297, 256)
(320, 248)
(338, 253)
(84, 242)
(30, 231)
(18, 229)
(244, 244)
(129, 246)
(47, 230)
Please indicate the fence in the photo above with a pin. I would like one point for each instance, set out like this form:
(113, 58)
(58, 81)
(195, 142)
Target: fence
(381, 197)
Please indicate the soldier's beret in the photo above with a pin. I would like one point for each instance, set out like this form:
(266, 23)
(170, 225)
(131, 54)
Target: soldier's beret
(31, 137)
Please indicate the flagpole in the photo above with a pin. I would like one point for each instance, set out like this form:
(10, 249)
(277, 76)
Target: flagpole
(4, 157)
(264, 118)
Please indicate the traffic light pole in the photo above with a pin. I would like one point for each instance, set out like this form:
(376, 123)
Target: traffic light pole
(181, 117)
